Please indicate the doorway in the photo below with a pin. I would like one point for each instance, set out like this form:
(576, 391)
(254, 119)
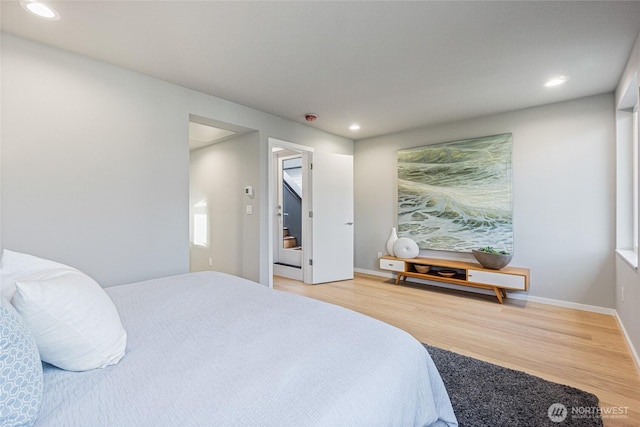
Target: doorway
(289, 215)
(290, 228)
(327, 214)
(223, 161)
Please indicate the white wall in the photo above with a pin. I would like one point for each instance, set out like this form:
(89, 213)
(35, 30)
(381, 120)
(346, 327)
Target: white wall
(95, 163)
(94, 167)
(218, 174)
(563, 189)
(627, 276)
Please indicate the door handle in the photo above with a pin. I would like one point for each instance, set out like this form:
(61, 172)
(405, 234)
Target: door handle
(348, 223)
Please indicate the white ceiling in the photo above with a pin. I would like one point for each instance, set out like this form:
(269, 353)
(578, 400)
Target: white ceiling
(389, 66)
(203, 135)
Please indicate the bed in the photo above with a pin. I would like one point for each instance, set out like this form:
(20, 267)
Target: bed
(213, 349)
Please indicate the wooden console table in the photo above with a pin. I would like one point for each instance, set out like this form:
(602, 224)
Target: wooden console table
(459, 273)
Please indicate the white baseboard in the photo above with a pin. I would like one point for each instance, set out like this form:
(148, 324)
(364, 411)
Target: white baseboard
(565, 304)
(634, 353)
(288, 272)
(374, 272)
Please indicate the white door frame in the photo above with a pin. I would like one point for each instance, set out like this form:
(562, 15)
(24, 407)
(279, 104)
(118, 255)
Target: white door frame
(272, 198)
(288, 256)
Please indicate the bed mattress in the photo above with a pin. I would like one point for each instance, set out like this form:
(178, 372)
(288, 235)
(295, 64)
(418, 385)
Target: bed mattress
(209, 349)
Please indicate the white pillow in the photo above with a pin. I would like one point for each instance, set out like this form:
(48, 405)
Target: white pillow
(74, 322)
(16, 265)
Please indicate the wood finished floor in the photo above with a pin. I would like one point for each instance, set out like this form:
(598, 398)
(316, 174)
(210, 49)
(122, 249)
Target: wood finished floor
(577, 348)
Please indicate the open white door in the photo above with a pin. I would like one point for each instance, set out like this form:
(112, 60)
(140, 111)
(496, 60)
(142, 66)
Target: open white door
(332, 221)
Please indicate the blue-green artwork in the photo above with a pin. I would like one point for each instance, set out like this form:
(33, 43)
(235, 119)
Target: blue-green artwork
(457, 196)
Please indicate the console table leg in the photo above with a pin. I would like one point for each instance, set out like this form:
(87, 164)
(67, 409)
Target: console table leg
(398, 278)
(498, 292)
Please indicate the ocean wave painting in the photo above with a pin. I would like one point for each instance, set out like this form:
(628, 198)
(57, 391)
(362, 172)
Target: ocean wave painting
(457, 196)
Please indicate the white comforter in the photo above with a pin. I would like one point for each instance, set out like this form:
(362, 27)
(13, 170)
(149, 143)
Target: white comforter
(209, 349)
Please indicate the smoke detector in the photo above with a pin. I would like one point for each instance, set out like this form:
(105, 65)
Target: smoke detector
(310, 117)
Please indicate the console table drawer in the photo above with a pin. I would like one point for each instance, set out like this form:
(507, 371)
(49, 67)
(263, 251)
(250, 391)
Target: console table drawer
(391, 264)
(509, 281)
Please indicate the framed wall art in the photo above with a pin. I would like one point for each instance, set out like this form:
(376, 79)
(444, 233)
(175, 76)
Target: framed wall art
(457, 196)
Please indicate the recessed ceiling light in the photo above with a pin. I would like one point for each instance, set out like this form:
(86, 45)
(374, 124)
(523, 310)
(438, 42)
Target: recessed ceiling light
(354, 126)
(556, 81)
(41, 10)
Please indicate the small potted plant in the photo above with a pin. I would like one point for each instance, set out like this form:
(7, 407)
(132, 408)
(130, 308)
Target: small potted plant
(492, 258)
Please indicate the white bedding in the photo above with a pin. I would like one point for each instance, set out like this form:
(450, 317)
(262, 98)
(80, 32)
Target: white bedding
(209, 349)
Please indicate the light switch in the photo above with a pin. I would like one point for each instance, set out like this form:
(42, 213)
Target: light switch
(249, 209)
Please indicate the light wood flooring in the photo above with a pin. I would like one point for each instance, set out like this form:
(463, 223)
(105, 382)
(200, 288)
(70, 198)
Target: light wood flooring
(577, 348)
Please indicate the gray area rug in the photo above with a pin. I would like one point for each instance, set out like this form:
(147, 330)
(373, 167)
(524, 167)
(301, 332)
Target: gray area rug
(483, 394)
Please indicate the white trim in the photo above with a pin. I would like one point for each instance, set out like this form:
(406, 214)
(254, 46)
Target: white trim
(565, 304)
(288, 272)
(629, 256)
(632, 349)
(271, 142)
(374, 272)
(512, 294)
